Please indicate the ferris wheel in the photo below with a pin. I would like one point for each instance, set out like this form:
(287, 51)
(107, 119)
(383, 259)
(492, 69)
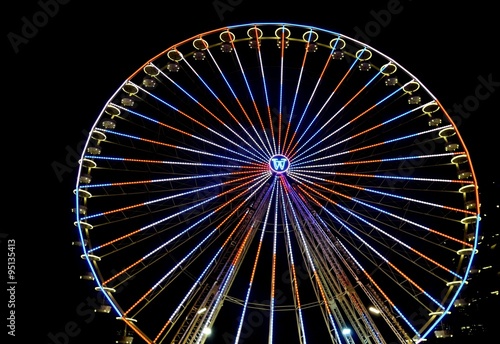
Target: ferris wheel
(272, 180)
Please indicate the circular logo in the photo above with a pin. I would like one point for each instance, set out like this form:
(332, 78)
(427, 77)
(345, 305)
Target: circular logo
(279, 163)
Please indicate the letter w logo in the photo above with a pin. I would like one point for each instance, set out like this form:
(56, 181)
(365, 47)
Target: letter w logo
(279, 164)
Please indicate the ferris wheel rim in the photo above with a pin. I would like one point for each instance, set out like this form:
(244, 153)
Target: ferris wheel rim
(81, 224)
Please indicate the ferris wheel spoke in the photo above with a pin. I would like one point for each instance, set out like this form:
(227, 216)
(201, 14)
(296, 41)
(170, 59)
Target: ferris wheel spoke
(228, 40)
(338, 142)
(298, 155)
(381, 211)
(252, 275)
(399, 276)
(333, 319)
(170, 274)
(349, 151)
(292, 267)
(309, 178)
(261, 148)
(185, 300)
(313, 93)
(286, 146)
(384, 296)
(176, 147)
(129, 235)
(162, 199)
(255, 33)
(205, 109)
(294, 150)
(199, 282)
(251, 156)
(158, 284)
(256, 146)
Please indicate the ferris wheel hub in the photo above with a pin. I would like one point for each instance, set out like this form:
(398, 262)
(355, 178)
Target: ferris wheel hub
(279, 164)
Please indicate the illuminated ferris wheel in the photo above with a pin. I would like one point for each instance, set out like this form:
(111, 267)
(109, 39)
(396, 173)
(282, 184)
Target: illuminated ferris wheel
(267, 180)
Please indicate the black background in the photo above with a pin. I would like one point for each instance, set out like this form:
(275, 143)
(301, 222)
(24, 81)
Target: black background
(58, 76)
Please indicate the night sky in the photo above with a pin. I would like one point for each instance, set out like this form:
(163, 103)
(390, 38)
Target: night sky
(65, 59)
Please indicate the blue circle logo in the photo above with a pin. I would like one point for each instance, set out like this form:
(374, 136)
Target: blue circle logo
(279, 163)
